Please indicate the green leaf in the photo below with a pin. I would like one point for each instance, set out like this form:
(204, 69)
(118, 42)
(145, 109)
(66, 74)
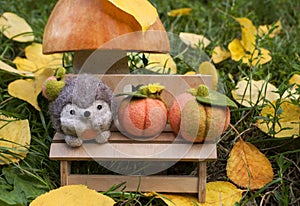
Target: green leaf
(217, 99)
(19, 188)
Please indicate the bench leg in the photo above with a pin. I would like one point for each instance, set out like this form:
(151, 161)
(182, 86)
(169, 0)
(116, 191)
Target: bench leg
(65, 171)
(202, 182)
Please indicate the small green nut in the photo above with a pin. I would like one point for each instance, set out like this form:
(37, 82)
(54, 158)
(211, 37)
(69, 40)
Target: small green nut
(202, 90)
(53, 88)
(60, 72)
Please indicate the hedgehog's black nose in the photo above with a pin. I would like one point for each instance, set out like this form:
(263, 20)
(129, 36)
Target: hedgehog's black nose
(87, 113)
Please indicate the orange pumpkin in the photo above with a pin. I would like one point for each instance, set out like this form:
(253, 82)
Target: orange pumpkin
(142, 117)
(197, 122)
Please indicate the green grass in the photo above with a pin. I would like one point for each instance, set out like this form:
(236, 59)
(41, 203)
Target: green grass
(214, 20)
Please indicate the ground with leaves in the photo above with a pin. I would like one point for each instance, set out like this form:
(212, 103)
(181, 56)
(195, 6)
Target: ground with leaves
(252, 82)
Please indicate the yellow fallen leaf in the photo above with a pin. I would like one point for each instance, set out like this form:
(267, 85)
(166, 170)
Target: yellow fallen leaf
(190, 73)
(161, 63)
(141, 10)
(249, 33)
(265, 29)
(194, 40)
(248, 93)
(208, 68)
(15, 27)
(288, 117)
(36, 61)
(222, 193)
(29, 89)
(217, 193)
(73, 195)
(248, 167)
(236, 49)
(258, 56)
(180, 12)
(245, 48)
(295, 79)
(219, 54)
(293, 93)
(15, 136)
(6, 67)
(178, 200)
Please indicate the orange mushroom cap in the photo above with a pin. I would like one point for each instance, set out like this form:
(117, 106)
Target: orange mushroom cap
(98, 24)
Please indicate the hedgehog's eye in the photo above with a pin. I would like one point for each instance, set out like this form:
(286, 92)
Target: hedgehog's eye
(99, 107)
(72, 111)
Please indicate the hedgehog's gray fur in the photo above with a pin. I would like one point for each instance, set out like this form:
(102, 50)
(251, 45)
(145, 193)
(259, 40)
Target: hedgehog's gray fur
(81, 90)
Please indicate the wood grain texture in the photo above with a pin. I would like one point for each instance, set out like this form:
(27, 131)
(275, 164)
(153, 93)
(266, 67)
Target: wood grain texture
(134, 151)
(176, 184)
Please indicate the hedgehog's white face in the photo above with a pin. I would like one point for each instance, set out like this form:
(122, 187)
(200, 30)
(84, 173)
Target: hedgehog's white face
(77, 121)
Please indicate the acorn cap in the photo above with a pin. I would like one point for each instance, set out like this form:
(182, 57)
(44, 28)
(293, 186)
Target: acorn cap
(94, 24)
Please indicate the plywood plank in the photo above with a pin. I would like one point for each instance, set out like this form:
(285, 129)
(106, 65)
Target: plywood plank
(140, 151)
(176, 184)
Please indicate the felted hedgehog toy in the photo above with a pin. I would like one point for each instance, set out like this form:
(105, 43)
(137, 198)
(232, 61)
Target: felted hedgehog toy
(82, 110)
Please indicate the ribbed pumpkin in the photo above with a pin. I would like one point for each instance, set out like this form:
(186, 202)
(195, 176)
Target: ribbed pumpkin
(196, 121)
(142, 116)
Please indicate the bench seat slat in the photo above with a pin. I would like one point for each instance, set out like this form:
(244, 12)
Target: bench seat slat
(133, 151)
(176, 184)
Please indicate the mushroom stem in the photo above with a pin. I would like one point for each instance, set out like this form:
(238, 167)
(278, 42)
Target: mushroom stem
(101, 62)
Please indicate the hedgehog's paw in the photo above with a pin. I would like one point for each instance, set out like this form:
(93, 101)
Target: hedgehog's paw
(103, 137)
(73, 141)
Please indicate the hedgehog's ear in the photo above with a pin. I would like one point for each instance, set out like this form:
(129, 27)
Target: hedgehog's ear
(52, 87)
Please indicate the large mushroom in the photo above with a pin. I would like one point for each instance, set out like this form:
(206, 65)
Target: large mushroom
(88, 26)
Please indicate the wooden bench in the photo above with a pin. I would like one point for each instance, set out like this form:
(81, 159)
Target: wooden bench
(167, 147)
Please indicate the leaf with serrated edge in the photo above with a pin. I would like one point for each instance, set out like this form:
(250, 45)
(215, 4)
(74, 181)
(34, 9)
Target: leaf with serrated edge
(248, 167)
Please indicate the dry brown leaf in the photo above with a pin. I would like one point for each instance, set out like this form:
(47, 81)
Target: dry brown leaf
(248, 167)
(15, 135)
(15, 27)
(289, 118)
(73, 195)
